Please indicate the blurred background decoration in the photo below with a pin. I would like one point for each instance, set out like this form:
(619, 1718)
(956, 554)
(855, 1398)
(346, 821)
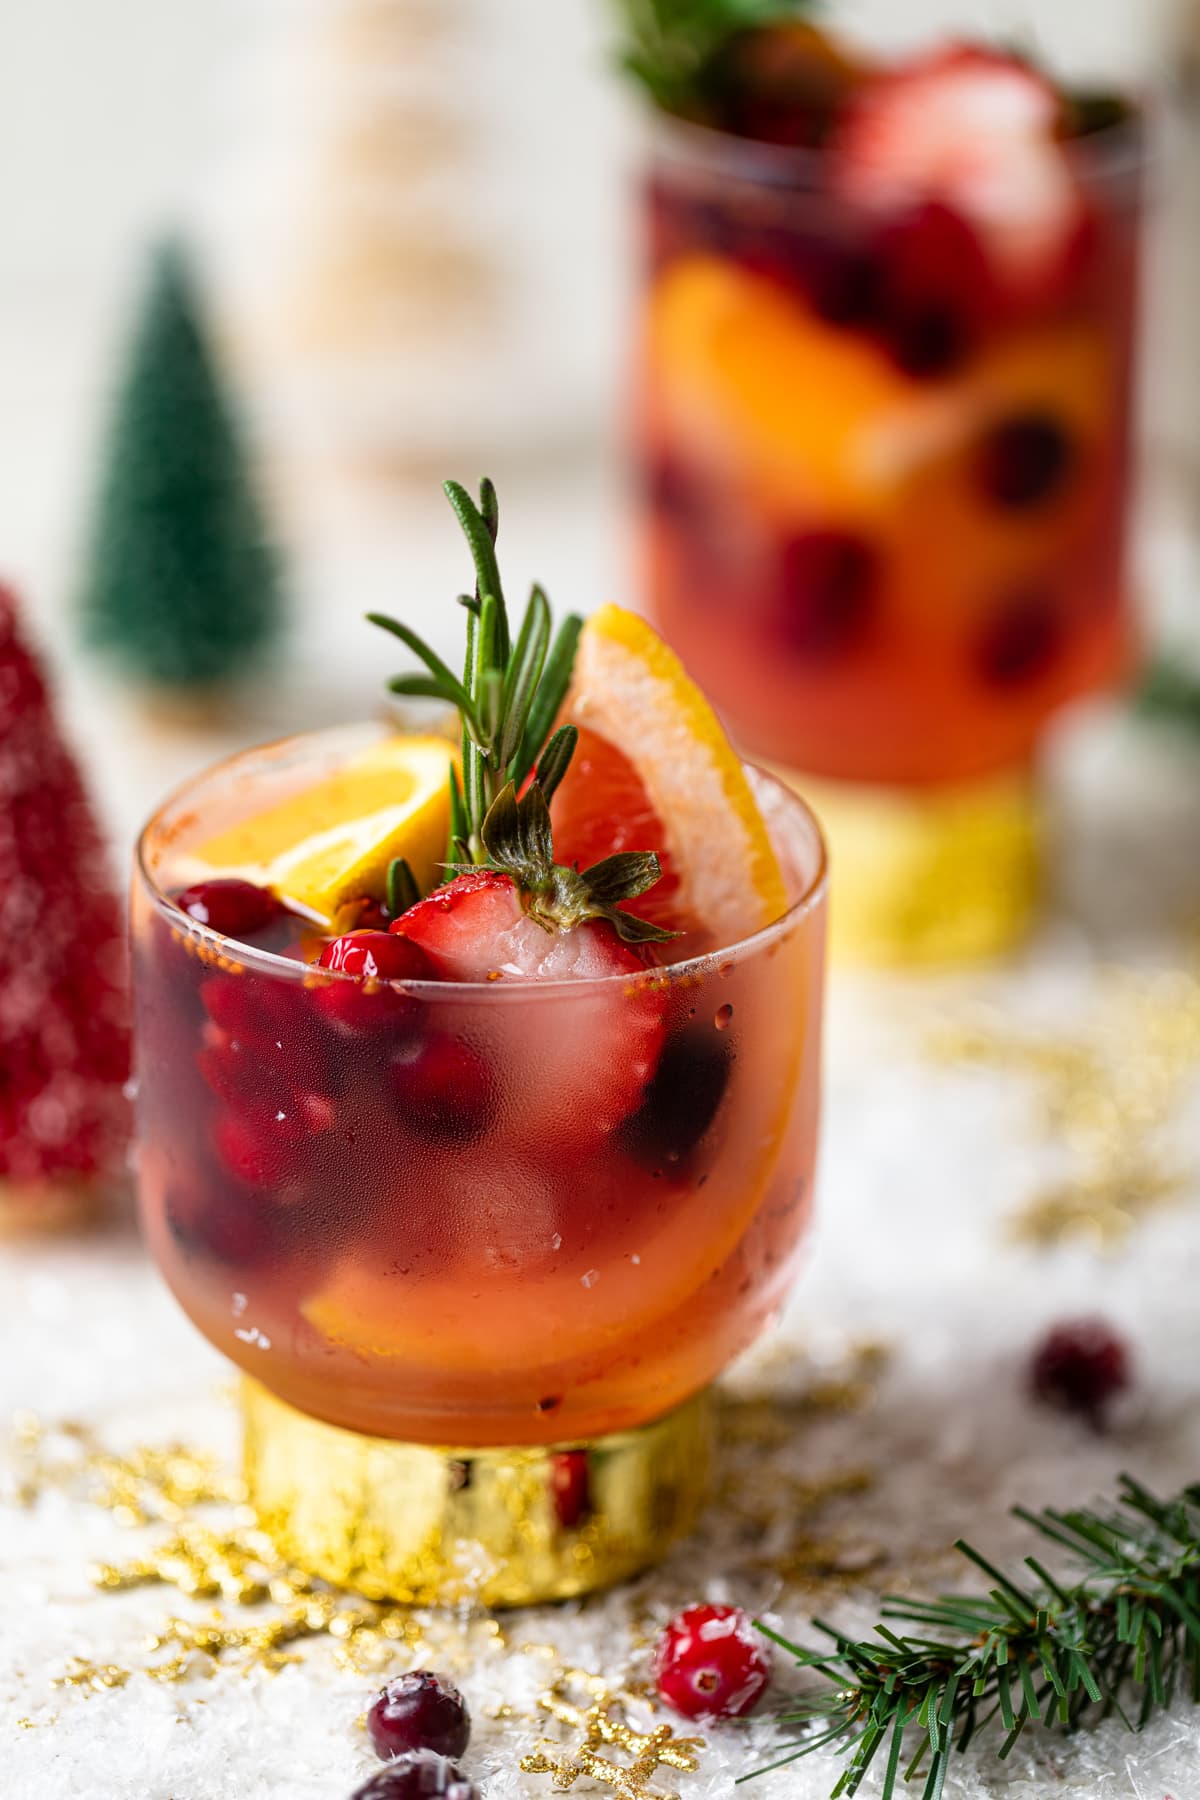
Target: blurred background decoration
(64, 1017)
(181, 586)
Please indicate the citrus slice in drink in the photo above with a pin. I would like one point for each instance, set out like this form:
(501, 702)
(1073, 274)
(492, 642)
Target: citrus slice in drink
(333, 841)
(675, 785)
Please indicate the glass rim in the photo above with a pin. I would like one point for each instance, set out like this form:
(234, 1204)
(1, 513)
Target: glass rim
(1108, 153)
(270, 962)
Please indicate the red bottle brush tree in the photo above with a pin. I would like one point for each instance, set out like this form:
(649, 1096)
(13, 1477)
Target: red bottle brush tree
(64, 1001)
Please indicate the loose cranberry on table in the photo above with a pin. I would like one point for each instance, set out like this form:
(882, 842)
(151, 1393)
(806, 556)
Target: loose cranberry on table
(710, 1663)
(419, 1711)
(233, 907)
(1080, 1367)
(423, 1776)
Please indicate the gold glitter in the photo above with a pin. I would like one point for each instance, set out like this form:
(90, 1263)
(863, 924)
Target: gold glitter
(229, 1559)
(92, 1677)
(1106, 1097)
(596, 1716)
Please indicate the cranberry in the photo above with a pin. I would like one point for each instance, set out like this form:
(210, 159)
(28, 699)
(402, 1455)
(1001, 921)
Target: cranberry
(261, 1148)
(710, 1664)
(419, 1711)
(374, 956)
(936, 290)
(422, 1776)
(682, 1098)
(1021, 640)
(845, 286)
(826, 586)
(1024, 461)
(235, 908)
(672, 491)
(378, 956)
(570, 1487)
(443, 1088)
(238, 1230)
(1080, 1367)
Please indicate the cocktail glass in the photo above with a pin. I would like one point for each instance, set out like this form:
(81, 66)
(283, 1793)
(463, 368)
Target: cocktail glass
(477, 1336)
(883, 517)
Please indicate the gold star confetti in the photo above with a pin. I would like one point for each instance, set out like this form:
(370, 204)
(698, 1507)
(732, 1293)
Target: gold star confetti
(1106, 1097)
(594, 1715)
(213, 1551)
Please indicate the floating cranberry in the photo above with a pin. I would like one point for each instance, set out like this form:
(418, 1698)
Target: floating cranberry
(378, 956)
(710, 1663)
(672, 490)
(570, 1487)
(682, 1098)
(443, 1088)
(353, 1007)
(237, 909)
(419, 1711)
(1080, 1367)
(1025, 461)
(422, 1776)
(261, 1148)
(846, 286)
(826, 585)
(935, 290)
(238, 1230)
(1021, 640)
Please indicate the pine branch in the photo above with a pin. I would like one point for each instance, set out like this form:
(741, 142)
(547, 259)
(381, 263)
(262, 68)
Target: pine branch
(1124, 1634)
(668, 44)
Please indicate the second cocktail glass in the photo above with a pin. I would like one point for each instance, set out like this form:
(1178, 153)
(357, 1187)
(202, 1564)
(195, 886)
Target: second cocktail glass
(883, 510)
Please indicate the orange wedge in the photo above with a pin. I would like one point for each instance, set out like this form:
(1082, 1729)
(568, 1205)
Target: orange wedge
(655, 771)
(333, 842)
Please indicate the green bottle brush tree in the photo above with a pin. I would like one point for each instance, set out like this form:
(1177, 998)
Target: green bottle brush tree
(181, 587)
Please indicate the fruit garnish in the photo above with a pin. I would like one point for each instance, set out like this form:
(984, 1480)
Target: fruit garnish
(670, 45)
(979, 132)
(780, 84)
(480, 927)
(513, 759)
(229, 905)
(335, 842)
(632, 690)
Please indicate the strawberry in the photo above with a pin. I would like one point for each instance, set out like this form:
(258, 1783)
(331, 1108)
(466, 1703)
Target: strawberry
(601, 1050)
(979, 133)
(476, 929)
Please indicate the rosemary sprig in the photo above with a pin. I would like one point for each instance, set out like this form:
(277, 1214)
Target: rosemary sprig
(668, 44)
(510, 692)
(513, 758)
(1121, 1638)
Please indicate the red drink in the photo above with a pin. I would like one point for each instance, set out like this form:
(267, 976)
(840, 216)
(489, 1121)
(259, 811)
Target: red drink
(470, 1212)
(883, 428)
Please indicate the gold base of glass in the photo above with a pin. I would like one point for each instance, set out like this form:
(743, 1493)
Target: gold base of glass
(502, 1527)
(926, 875)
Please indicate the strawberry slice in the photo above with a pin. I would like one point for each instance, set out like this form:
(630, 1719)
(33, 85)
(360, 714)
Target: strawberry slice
(569, 1072)
(978, 132)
